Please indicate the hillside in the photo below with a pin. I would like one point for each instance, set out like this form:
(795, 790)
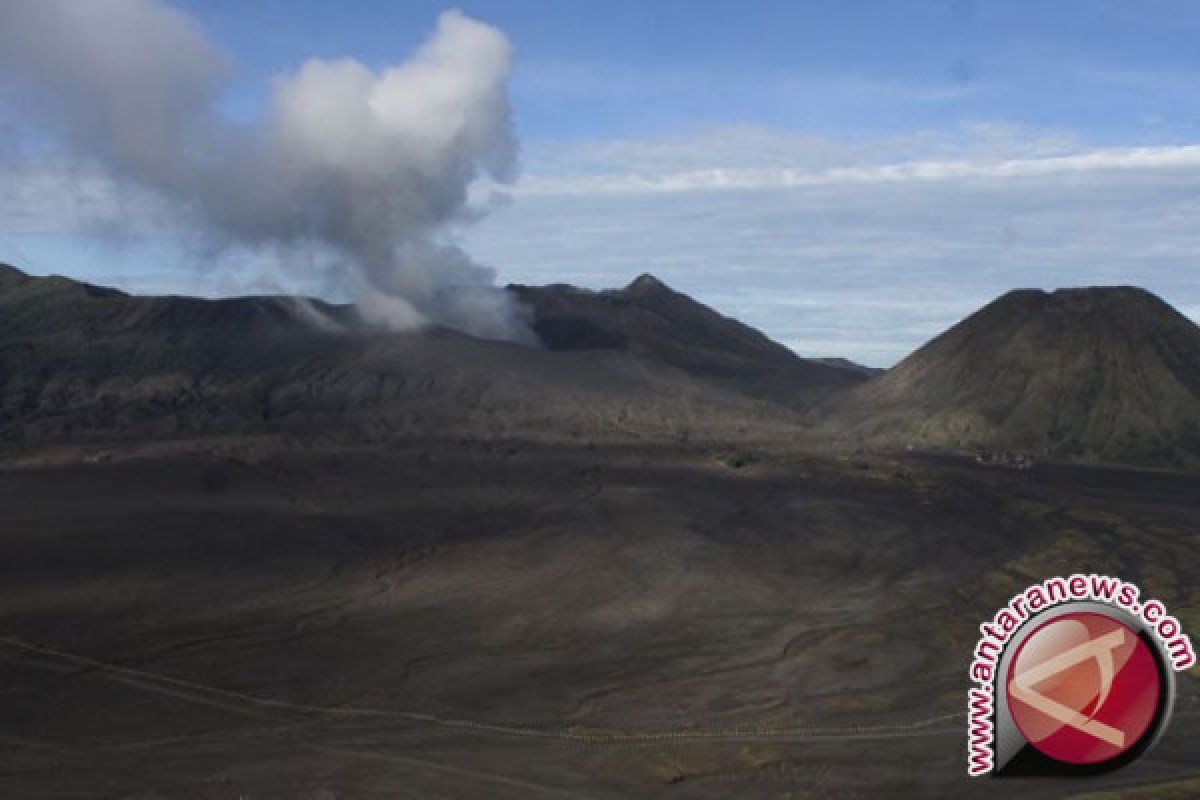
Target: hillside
(651, 320)
(1109, 373)
(79, 361)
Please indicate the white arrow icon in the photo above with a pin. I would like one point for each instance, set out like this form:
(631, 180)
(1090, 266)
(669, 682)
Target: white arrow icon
(1101, 649)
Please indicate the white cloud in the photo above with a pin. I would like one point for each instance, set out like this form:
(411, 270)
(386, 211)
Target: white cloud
(1181, 157)
(750, 147)
(853, 253)
(879, 247)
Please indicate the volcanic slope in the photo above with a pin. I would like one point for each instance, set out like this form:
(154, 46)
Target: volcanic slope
(652, 320)
(1110, 373)
(83, 362)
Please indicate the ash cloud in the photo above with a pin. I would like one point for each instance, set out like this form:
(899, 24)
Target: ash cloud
(369, 168)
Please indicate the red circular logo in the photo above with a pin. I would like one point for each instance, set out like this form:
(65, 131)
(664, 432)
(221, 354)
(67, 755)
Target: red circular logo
(1083, 688)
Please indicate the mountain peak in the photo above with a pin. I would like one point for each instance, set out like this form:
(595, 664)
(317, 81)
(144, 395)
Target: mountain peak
(1110, 314)
(1110, 372)
(1080, 296)
(645, 284)
(656, 323)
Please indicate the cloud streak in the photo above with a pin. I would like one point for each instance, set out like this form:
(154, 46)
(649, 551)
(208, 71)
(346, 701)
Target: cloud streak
(1182, 157)
(862, 255)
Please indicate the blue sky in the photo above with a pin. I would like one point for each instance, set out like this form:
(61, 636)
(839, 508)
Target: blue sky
(1113, 70)
(849, 177)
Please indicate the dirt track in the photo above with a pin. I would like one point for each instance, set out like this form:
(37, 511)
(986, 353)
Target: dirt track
(456, 620)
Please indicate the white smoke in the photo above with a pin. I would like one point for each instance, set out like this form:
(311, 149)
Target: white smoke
(367, 167)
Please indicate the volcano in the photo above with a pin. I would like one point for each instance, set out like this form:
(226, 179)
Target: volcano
(653, 321)
(255, 547)
(1110, 373)
(80, 362)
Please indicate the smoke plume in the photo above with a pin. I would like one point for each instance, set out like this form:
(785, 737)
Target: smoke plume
(366, 167)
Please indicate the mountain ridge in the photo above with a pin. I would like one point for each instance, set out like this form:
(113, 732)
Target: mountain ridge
(1109, 373)
(1106, 372)
(650, 319)
(79, 361)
